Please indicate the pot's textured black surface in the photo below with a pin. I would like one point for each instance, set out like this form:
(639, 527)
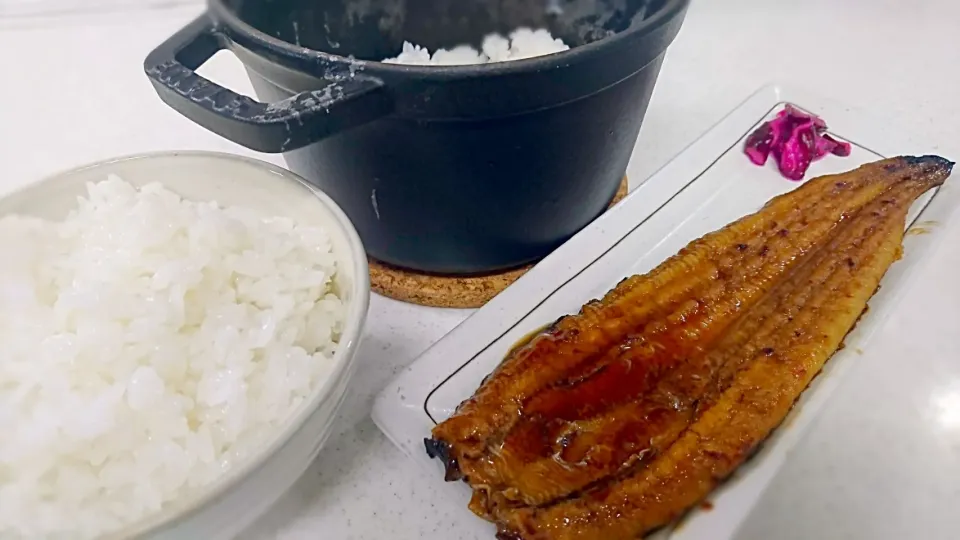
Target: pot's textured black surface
(458, 170)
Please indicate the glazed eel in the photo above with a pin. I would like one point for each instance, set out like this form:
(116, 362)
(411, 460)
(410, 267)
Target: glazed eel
(614, 421)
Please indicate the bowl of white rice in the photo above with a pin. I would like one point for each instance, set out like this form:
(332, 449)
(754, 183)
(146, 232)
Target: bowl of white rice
(177, 333)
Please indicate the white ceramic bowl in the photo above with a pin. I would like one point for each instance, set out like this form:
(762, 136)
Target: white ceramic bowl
(229, 505)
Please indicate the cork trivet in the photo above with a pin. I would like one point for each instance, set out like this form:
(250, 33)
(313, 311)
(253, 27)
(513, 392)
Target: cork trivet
(448, 291)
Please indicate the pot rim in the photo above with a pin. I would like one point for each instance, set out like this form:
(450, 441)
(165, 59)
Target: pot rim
(670, 10)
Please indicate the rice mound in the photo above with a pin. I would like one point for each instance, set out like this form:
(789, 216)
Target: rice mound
(147, 345)
(521, 43)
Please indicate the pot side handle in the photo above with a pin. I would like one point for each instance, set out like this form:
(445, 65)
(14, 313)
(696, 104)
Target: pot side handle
(295, 122)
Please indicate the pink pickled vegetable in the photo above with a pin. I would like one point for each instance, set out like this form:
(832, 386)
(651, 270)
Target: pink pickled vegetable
(795, 139)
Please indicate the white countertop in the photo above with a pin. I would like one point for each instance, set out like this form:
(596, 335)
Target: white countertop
(883, 461)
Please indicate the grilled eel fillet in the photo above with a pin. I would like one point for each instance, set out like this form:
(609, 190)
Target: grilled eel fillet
(614, 421)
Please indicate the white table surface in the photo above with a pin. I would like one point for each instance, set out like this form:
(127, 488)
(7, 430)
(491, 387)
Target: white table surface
(883, 461)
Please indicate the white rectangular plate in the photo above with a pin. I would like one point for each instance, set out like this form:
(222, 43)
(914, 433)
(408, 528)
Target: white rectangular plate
(706, 187)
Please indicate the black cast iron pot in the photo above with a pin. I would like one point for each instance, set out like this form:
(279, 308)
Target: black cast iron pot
(462, 169)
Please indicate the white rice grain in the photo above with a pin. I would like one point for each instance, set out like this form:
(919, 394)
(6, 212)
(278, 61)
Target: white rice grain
(147, 345)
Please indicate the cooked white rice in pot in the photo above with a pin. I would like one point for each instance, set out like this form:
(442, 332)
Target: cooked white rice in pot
(520, 44)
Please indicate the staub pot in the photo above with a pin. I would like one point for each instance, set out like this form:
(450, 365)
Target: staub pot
(455, 170)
